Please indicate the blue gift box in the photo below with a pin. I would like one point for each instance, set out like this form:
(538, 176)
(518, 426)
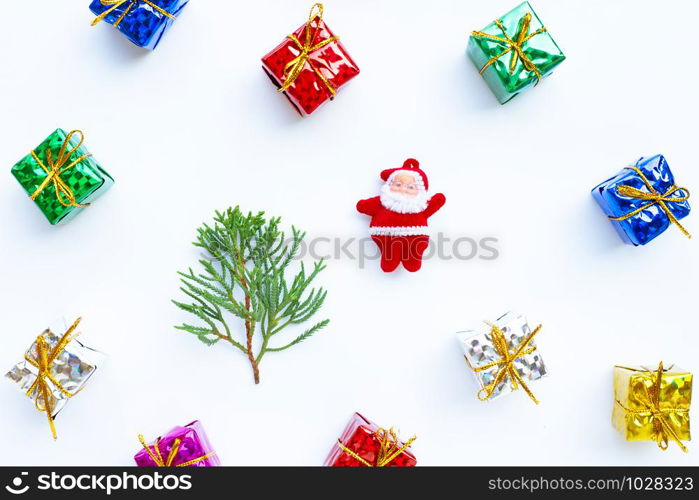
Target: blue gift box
(141, 21)
(642, 200)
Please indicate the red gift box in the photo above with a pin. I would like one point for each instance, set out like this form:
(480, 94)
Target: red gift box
(310, 65)
(365, 444)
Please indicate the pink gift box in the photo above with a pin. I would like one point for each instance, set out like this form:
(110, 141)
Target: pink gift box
(186, 446)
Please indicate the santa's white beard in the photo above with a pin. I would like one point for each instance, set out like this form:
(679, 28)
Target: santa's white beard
(403, 204)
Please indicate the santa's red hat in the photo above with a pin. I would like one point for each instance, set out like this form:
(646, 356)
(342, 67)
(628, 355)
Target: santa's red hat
(410, 166)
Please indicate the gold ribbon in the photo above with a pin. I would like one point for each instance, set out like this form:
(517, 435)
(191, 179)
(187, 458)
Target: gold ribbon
(115, 4)
(56, 168)
(389, 448)
(43, 362)
(653, 197)
(506, 363)
(650, 398)
(293, 68)
(157, 456)
(514, 45)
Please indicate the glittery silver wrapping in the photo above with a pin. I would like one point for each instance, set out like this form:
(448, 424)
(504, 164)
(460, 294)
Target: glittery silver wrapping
(72, 367)
(479, 350)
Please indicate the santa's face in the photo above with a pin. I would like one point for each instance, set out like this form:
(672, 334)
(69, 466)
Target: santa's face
(404, 184)
(403, 194)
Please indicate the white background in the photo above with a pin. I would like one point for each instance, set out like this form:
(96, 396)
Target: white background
(196, 126)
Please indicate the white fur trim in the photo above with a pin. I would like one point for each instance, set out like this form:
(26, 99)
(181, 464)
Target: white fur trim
(398, 231)
(399, 203)
(416, 176)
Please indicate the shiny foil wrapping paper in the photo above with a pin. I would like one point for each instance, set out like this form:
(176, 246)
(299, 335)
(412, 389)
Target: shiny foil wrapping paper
(650, 222)
(675, 392)
(308, 91)
(87, 180)
(478, 350)
(541, 49)
(72, 368)
(143, 25)
(193, 444)
(360, 437)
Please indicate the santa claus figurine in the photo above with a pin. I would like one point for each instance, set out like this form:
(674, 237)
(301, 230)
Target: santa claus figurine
(399, 216)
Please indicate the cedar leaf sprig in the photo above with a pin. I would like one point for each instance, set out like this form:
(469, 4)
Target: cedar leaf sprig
(244, 275)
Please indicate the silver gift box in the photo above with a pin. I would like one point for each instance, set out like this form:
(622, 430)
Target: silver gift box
(72, 368)
(478, 350)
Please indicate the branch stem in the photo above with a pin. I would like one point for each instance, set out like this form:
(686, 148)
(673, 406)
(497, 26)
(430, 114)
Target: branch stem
(249, 327)
(263, 349)
(230, 340)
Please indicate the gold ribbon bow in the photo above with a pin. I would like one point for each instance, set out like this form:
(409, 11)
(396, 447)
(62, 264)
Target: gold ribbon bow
(115, 4)
(389, 448)
(650, 399)
(293, 68)
(514, 45)
(506, 363)
(654, 198)
(56, 168)
(157, 456)
(43, 362)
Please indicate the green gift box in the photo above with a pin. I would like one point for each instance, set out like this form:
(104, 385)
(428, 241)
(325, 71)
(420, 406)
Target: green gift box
(61, 177)
(514, 52)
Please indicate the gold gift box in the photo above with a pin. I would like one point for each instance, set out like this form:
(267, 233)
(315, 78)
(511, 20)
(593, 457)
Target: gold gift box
(652, 404)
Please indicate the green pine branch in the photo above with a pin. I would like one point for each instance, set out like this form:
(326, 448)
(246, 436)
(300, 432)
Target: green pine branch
(245, 276)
